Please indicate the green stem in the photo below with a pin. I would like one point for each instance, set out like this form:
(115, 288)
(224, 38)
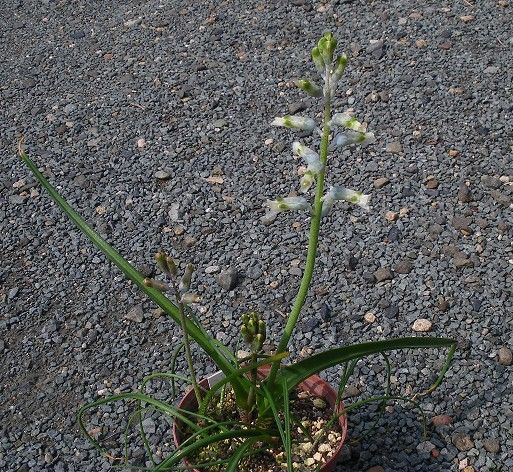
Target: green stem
(315, 225)
(187, 345)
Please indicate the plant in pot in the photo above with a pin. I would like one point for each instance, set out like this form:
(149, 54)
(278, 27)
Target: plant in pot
(260, 412)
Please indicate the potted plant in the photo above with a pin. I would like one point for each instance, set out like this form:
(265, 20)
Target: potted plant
(261, 412)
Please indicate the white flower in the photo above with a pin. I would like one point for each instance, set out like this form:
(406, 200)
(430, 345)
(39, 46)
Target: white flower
(295, 121)
(347, 138)
(306, 181)
(309, 87)
(347, 120)
(287, 203)
(311, 157)
(340, 193)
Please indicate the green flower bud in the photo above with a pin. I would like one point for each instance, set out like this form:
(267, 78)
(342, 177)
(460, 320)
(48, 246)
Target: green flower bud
(261, 327)
(340, 67)
(259, 342)
(160, 258)
(156, 284)
(318, 60)
(185, 283)
(171, 264)
(327, 45)
(309, 87)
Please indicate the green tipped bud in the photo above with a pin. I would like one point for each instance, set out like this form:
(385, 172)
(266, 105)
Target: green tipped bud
(261, 327)
(245, 318)
(160, 258)
(189, 298)
(185, 283)
(309, 87)
(171, 265)
(252, 327)
(340, 67)
(259, 342)
(318, 60)
(327, 45)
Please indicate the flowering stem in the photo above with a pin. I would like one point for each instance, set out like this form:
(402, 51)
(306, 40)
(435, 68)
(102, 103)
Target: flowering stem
(315, 225)
(187, 344)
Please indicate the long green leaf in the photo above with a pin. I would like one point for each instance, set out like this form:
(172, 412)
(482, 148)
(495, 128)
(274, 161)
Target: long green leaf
(294, 374)
(237, 456)
(240, 385)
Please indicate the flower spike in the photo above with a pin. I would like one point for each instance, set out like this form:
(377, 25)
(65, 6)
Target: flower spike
(347, 120)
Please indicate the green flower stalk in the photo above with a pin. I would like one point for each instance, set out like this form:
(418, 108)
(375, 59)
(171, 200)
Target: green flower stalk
(331, 72)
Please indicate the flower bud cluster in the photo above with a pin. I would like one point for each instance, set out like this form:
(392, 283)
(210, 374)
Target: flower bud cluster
(169, 267)
(253, 331)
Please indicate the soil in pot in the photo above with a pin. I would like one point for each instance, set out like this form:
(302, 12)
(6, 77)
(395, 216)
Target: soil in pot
(311, 413)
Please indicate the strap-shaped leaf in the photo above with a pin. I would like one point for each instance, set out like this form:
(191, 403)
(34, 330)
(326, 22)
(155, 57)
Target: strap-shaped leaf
(206, 342)
(294, 374)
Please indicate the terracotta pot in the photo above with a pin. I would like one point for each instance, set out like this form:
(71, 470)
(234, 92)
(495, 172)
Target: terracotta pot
(313, 384)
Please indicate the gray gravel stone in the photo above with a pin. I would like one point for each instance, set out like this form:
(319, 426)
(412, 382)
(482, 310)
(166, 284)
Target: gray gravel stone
(135, 314)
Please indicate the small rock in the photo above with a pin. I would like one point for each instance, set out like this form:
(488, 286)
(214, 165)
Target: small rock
(505, 356)
(491, 70)
(189, 241)
(369, 317)
(221, 123)
(422, 325)
(404, 266)
(491, 445)
(376, 468)
(380, 182)
(464, 195)
(421, 43)
(461, 260)
(466, 18)
(149, 426)
(392, 311)
(141, 142)
(369, 277)
(325, 312)
(394, 234)
(77, 35)
(394, 147)
(431, 182)
(453, 153)
(228, 279)
(442, 304)
(462, 441)
(352, 262)
(383, 274)
(28, 82)
(501, 198)
(441, 420)
(12, 293)
(462, 224)
(162, 175)
(297, 107)
(445, 45)
(212, 269)
(174, 211)
(490, 181)
(376, 49)
(135, 314)
(391, 216)
(69, 108)
(319, 403)
(426, 447)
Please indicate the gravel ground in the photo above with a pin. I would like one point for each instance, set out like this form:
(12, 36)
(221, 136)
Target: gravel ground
(109, 93)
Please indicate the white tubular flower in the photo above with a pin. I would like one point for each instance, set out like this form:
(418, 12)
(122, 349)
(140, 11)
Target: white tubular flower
(287, 203)
(306, 181)
(309, 87)
(347, 120)
(340, 193)
(310, 157)
(295, 121)
(352, 137)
